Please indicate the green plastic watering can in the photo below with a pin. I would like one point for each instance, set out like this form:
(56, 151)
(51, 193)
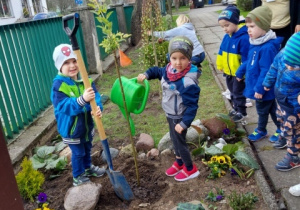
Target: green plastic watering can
(136, 96)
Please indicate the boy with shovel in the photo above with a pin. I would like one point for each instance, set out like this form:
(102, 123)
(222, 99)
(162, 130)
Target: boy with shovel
(73, 113)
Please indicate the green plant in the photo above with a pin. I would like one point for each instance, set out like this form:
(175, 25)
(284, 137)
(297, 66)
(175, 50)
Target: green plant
(218, 165)
(25, 12)
(239, 201)
(219, 195)
(29, 180)
(46, 156)
(245, 5)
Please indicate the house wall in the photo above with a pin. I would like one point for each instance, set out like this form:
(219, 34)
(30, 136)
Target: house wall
(17, 11)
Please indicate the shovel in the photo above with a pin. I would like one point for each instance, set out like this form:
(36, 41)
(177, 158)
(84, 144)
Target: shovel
(117, 179)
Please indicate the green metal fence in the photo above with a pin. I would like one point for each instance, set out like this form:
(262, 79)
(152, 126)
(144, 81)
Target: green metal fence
(128, 14)
(27, 70)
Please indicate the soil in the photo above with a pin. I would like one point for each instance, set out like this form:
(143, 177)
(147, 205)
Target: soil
(156, 190)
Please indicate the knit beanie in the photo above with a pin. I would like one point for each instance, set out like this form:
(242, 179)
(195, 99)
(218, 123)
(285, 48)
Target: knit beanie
(291, 54)
(62, 53)
(181, 44)
(231, 14)
(262, 17)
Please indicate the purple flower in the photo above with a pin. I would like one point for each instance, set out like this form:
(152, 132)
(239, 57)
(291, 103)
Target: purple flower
(226, 131)
(233, 172)
(42, 197)
(219, 197)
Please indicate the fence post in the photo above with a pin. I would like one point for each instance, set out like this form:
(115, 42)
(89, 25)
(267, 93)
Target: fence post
(90, 39)
(119, 5)
(9, 193)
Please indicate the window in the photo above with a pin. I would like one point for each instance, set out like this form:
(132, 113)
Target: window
(5, 10)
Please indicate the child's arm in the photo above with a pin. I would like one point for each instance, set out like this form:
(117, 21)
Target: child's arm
(220, 57)
(240, 73)
(271, 76)
(152, 73)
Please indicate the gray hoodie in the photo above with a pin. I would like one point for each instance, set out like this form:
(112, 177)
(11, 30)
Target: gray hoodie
(187, 30)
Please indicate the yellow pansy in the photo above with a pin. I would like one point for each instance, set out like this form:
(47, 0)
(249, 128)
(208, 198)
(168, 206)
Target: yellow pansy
(221, 160)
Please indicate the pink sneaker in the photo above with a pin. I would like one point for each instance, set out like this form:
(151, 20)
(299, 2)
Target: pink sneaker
(174, 169)
(186, 175)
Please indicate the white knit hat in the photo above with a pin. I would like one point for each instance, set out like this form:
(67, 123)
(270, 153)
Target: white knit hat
(62, 53)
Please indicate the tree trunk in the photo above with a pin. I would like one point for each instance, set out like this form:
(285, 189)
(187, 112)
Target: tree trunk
(136, 22)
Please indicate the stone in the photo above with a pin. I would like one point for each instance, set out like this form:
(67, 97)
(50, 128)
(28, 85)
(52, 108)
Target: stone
(144, 143)
(215, 127)
(82, 197)
(126, 151)
(165, 142)
(113, 153)
(153, 153)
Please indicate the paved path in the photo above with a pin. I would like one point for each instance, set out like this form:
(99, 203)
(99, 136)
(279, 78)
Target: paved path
(211, 34)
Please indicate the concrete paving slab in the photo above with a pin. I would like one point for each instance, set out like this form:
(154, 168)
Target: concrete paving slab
(292, 202)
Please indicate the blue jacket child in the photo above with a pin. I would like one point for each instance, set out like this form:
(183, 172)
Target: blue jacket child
(264, 45)
(73, 113)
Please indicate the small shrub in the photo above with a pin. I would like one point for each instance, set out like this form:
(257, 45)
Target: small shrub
(29, 180)
(242, 201)
(245, 5)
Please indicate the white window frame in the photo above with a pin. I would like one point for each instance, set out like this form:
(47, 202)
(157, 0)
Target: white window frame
(4, 14)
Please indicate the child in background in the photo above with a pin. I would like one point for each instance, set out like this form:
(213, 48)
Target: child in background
(264, 45)
(73, 113)
(284, 74)
(233, 51)
(179, 81)
(185, 28)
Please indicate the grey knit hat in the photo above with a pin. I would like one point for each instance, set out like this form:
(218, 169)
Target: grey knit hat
(181, 44)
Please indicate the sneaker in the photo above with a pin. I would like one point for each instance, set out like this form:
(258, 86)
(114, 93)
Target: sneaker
(289, 162)
(80, 180)
(275, 136)
(94, 171)
(280, 144)
(257, 135)
(227, 94)
(174, 169)
(248, 102)
(186, 175)
(238, 117)
(295, 190)
(232, 113)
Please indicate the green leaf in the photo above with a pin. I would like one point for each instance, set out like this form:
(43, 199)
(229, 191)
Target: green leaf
(245, 159)
(45, 151)
(37, 162)
(213, 150)
(240, 132)
(230, 149)
(240, 145)
(58, 164)
(60, 146)
(198, 151)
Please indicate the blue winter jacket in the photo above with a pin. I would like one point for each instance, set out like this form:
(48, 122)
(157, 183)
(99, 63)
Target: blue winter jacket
(259, 60)
(72, 113)
(180, 97)
(286, 82)
(233, 51)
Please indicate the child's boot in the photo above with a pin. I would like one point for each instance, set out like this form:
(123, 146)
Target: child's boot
(186, 175)
(289, 162)
(94, 171)
(80, 179)
(174, 169)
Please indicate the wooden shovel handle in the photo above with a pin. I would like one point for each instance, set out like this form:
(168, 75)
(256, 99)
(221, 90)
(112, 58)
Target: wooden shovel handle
(87, 84)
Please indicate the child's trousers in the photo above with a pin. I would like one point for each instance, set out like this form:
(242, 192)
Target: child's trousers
(179, 142)
(290, 128)
(81, 157)
(264, 108)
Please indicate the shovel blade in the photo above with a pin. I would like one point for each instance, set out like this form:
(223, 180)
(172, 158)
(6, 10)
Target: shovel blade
(120, 185)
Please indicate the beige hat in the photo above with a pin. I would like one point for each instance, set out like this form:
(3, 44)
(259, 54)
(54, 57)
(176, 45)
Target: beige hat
(262, 17)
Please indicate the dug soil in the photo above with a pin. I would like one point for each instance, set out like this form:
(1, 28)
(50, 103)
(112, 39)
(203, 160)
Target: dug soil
(156, 190)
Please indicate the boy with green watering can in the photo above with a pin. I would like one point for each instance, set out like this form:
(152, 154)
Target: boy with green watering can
(73, 113)
(179, 81)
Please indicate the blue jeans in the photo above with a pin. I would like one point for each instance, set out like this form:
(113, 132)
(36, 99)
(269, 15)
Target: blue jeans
(264, 108)
(81, 157)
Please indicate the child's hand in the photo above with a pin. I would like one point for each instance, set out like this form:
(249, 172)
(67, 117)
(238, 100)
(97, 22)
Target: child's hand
(89, 94)
(258, 95)
(98, 112)
(298, 99)
(238, 79)
(141, 77)
(266, 89)
(178, 128)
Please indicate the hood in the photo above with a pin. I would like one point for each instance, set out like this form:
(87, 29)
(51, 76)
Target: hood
(242, 30)
(194, 74)
(188, 26)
